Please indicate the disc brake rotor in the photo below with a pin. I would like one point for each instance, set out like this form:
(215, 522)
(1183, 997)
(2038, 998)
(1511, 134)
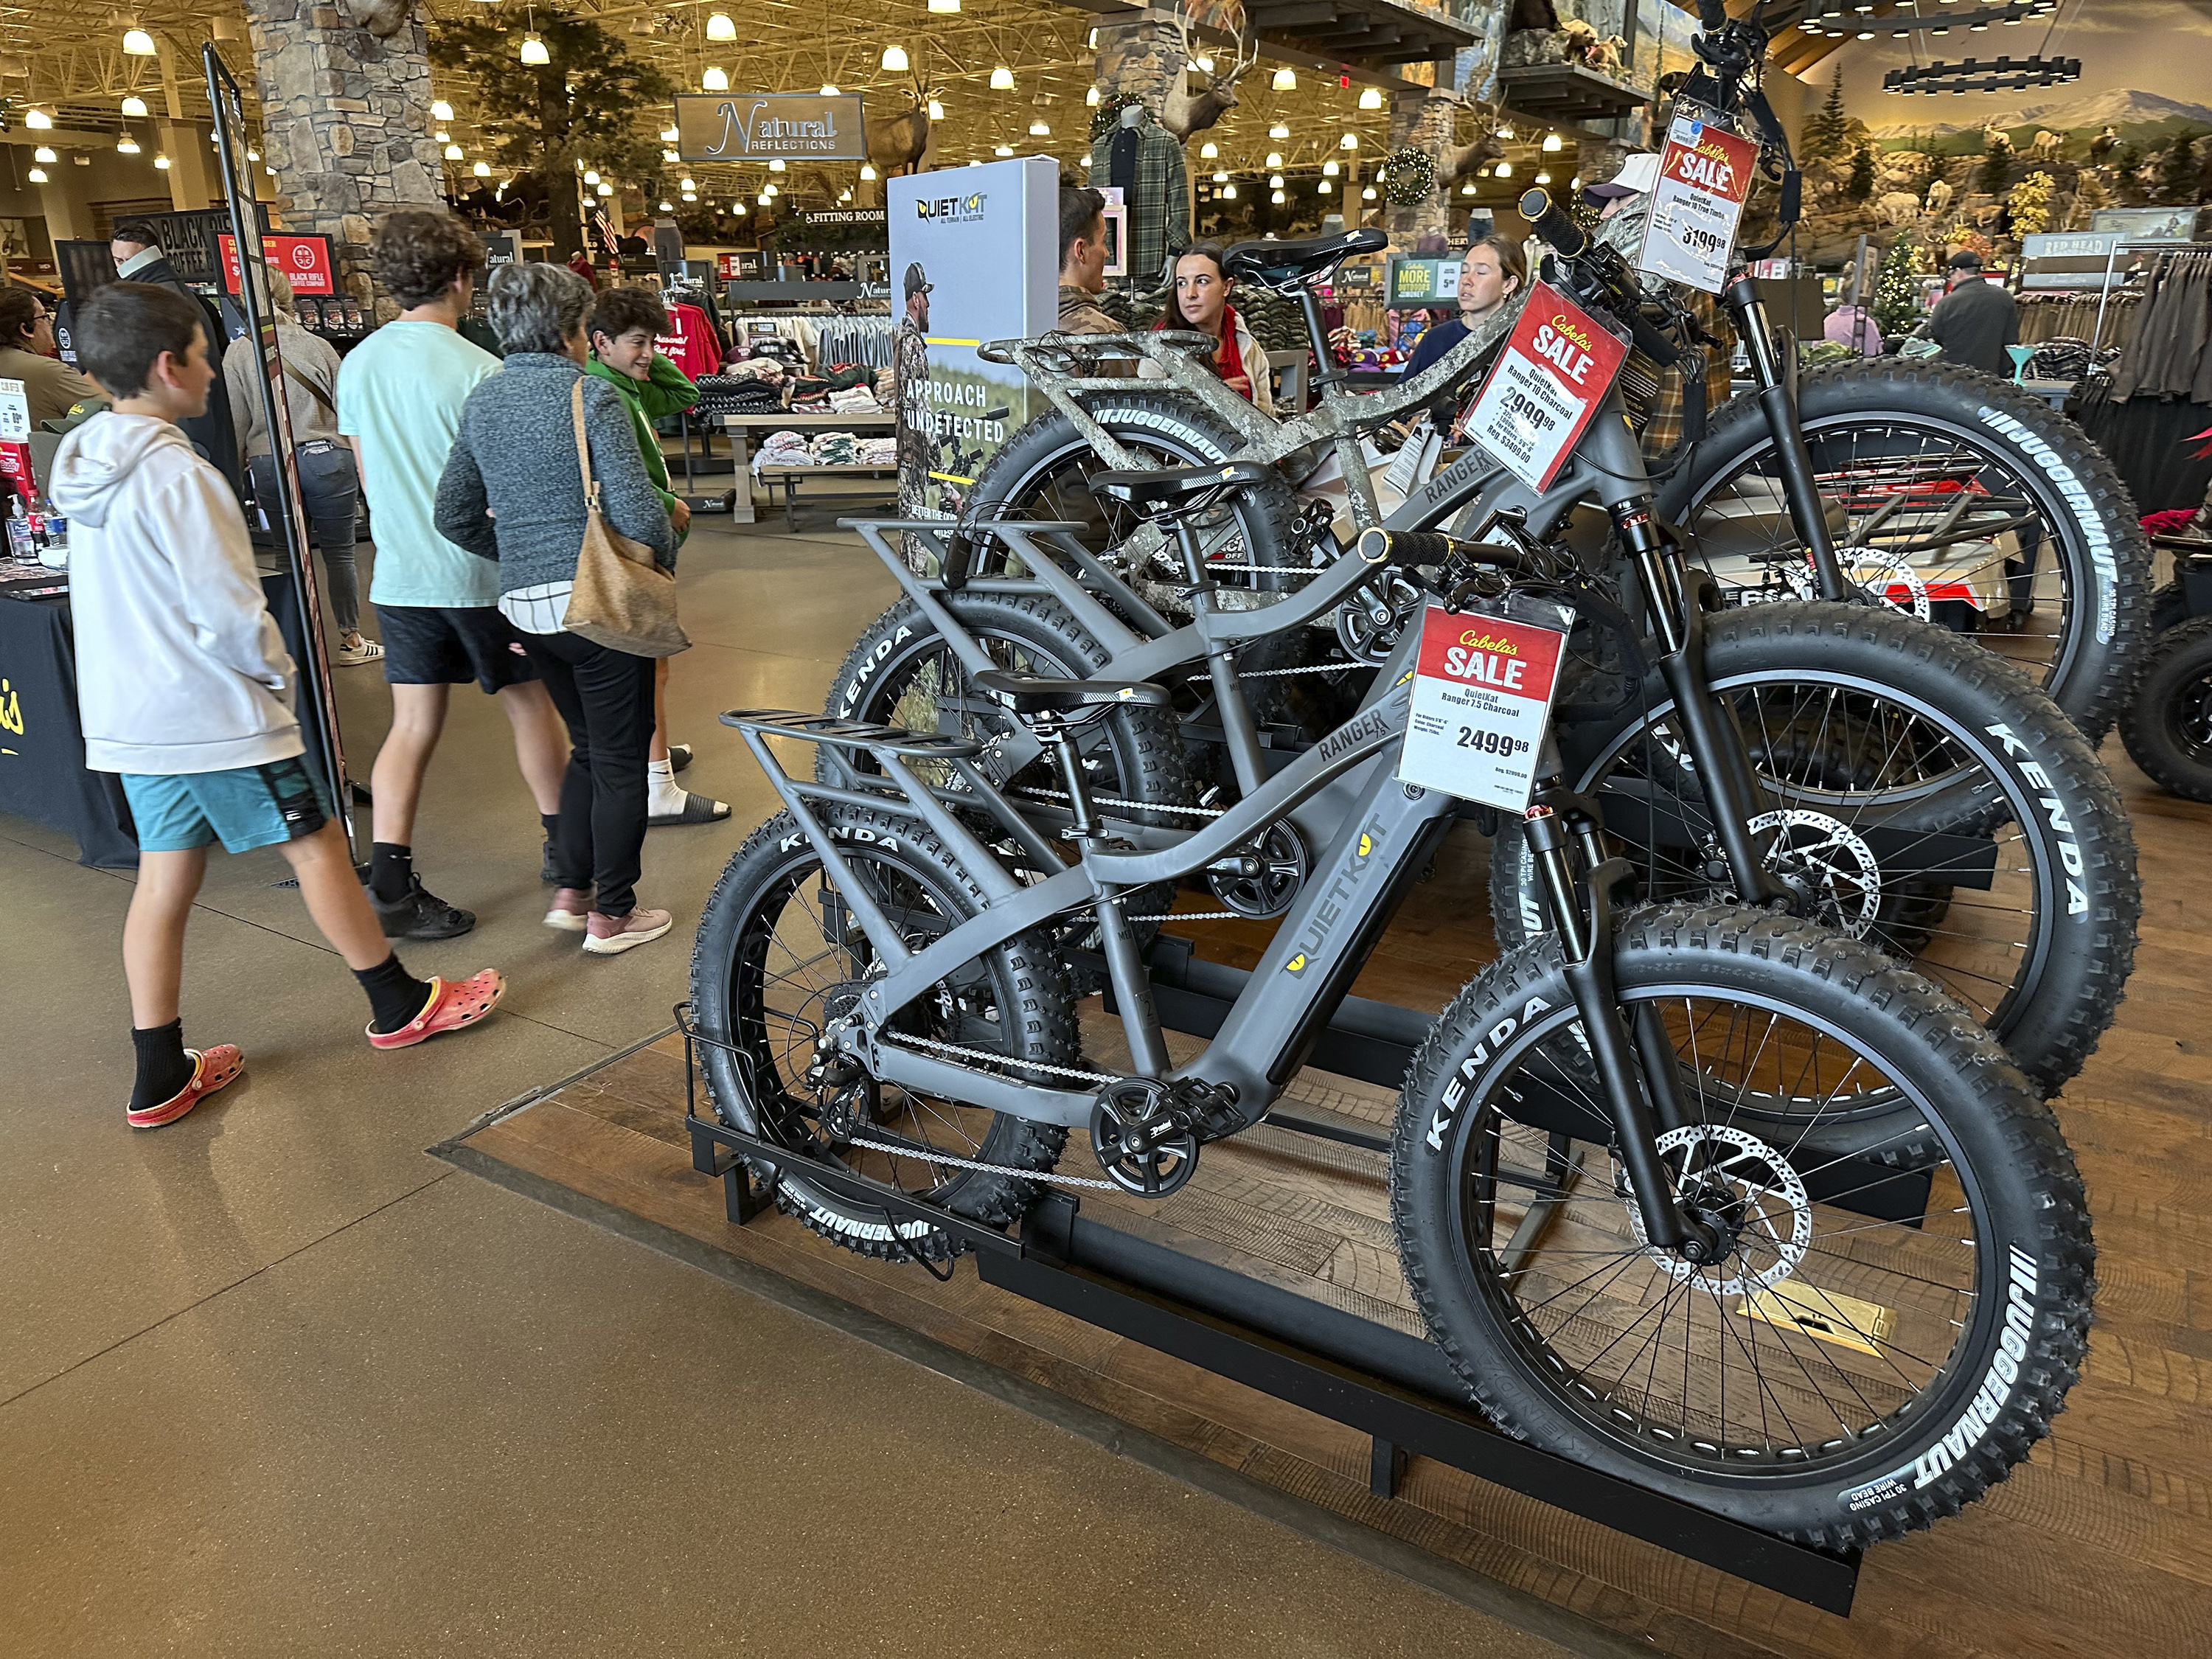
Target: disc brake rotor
(1832, 859)
(1746, 1192)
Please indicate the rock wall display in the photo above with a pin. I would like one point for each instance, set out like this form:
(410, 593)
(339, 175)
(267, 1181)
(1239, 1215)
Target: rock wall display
(346, 122)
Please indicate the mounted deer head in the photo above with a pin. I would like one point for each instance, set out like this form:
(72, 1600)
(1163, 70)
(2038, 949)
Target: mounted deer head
(1183, 111)
(1458, 161)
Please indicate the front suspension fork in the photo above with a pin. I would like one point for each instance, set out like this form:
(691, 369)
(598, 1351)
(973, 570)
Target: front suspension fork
(1638, 1076)
(1774, 373)
(1677, 601)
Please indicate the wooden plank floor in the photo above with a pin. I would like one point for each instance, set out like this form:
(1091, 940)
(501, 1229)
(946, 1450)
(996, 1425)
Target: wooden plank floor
(2102, 1545)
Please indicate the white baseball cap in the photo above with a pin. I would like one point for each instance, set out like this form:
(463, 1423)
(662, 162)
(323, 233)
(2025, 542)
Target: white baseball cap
(1638, 174)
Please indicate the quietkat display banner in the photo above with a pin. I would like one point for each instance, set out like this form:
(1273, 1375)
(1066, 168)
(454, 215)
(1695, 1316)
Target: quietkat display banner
(971, 260)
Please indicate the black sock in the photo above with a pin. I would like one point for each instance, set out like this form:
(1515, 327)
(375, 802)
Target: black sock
(390, 869)
(396, 995)
(164, 1067)
(549, 823)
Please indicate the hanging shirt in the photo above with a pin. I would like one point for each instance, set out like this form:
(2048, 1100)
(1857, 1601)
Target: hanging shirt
(690, 342)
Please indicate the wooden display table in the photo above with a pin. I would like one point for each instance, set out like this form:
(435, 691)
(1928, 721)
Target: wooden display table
(739, 426)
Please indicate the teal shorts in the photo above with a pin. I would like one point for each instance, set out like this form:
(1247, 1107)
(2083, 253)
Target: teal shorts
(245, 807)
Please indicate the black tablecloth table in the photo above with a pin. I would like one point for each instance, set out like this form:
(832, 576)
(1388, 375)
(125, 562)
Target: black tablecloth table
(42, 771)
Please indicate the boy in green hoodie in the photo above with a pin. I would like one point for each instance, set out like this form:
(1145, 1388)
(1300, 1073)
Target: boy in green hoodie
(623, 325)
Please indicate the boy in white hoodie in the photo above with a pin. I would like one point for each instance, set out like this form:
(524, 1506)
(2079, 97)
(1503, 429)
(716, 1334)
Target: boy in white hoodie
(184, 688)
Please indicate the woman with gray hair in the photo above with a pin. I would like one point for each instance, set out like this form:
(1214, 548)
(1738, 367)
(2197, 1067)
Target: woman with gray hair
(512, 491)
(330, 481)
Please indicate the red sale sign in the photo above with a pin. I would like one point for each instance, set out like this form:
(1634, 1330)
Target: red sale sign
(1705, 177)
(1482, 699)
(306, 260)
(1545, 386)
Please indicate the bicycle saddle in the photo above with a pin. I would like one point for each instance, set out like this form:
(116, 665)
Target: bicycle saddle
(1285, 265)
(1035, 694)
(1154, 494)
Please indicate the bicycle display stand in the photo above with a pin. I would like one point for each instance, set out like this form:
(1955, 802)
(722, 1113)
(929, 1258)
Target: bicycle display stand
(1394, 1387)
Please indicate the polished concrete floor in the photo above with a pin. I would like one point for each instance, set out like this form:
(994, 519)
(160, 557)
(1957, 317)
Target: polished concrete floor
(274, 1381)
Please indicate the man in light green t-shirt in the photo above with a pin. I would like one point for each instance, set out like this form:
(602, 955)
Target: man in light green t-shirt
(400, 393)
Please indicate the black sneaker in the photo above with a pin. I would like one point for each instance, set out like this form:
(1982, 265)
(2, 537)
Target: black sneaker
(546, 872)
(421, 914)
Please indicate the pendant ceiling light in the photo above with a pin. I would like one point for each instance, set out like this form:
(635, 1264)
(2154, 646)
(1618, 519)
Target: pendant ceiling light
(668, 135)
(1370, 97)
(442, 111)
(37, 175)
(686, 183)
(43, 153)
(605, 189)
(844, 194)
(1350, 141)
(737, 208)
(690, 195)
(775, 164)
(483, 169)
(1275, 196)
(1275, 181)
(1329, 169)
(719, 27)
(867, 171)
(440, 135)
(668, 207)
(1208, 150)
(37, 119)
(127, 145)
(1275, 158)
(533, 52)
(1325, 187)
(1004, 149)
(943, 7)
(895, 59)
(136, 43)
(772, 190)
(1090, 98)
(669, 157)
(936, 110)
(1367, 194)
(1221, 177)
(829, 89)
(1279, 130)
(713, 80)
(134, 104)
(1039, 130)
(1468, 189)
(452, 152)
(1543, 178)
(162, 162)
(1505, 169)
(1002, 79)
(591, 177)
(1229, 192)
(1203, 63)
(1286, 79)
(1552, 143)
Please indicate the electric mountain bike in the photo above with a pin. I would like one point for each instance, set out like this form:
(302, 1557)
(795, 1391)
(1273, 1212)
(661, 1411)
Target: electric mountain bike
(1714, 1310)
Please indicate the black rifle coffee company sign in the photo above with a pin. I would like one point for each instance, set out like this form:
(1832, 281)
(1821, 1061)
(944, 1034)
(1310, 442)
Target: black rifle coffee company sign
(768, 126)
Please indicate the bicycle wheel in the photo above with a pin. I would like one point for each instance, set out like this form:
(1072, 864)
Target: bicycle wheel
(1870, 1352)
(779, 959)
(1924, 798)
(2018, 526)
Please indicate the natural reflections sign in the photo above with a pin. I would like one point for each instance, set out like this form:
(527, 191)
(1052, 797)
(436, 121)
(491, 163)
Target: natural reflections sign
(764, 126)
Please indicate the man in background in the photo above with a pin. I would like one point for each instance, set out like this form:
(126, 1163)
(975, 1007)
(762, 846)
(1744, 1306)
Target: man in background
(1975, 319)
(135, 248)
(1083, 261)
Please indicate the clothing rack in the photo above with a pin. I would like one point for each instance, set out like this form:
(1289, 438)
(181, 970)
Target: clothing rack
(2097, 337)
(2165, 356)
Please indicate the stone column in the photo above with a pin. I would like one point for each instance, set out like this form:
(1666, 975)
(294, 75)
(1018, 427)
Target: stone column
(346, 123)
(1422, 118)
(1143, 57)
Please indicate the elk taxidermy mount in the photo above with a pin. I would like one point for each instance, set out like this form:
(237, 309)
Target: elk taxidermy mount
(1458, 161)
(1183, 111)
(898, 141)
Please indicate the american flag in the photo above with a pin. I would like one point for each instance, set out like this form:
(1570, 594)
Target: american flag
(606, 228)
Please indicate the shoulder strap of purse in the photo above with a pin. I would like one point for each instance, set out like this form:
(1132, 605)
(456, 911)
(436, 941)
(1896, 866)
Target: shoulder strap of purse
(313, 390)
(583, 448)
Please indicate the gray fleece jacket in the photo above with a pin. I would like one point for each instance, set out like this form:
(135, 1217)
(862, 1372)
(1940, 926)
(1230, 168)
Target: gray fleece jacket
(515, 457)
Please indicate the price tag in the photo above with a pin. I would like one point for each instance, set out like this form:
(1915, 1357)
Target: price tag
(14, 413)
(1545, 387)
(1705, 176)
(1482, 697)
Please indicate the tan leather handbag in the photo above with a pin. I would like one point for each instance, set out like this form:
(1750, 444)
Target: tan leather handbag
(621, 600)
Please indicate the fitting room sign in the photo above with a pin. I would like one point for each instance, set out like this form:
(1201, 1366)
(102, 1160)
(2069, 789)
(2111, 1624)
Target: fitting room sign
(1545, 387)
(1705, 176)
(306, 260)
(769, 126)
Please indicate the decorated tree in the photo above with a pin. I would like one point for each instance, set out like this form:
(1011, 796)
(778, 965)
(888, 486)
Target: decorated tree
(1861, 185)
(1826, 137)
(1896, 292)
(1997, 156)
(2030, 204)
(581, 106)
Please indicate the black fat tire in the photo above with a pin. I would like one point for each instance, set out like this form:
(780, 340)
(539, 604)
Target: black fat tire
(2055, 1021)
(1147, 748)
(774, 855)
(2003, 1131)
(2070, 470)
(2180, 664)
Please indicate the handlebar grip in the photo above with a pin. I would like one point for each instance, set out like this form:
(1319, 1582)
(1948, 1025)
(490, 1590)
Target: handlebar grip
(1404, 548)
(1549, 223)
(1712, 13)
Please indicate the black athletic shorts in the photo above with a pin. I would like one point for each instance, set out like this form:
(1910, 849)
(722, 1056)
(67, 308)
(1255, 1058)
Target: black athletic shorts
(426, 645)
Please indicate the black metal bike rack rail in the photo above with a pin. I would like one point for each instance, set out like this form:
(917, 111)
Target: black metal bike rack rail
(1394, 1387)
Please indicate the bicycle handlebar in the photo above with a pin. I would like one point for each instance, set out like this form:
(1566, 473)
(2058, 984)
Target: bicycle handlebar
(1549, 223)
(1407, 548)
(1712, 13)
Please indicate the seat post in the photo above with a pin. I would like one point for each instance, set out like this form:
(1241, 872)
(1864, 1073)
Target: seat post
(1327, 371)
(1061, 737)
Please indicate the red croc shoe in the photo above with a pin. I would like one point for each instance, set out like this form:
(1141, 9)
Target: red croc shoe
(212, 1069)
(452, 1005)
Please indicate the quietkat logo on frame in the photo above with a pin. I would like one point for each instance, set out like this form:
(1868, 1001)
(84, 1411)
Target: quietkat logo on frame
(968, 267)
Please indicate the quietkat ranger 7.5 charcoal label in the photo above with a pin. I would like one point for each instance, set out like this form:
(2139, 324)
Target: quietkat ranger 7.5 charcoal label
(1545, 387)
(1482, 695)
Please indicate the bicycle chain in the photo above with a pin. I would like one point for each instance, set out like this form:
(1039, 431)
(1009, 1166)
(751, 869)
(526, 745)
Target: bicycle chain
(987, 1168)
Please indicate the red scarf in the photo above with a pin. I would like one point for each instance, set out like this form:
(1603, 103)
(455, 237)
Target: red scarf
(1227, 362)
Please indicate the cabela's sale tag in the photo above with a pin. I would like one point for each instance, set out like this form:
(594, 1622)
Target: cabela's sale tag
(1545, 387)
(1482, 695)
(1705, 176)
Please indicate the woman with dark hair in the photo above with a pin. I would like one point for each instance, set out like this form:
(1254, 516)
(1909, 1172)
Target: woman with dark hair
(26, 353)
(1201, 301)
(513, 492)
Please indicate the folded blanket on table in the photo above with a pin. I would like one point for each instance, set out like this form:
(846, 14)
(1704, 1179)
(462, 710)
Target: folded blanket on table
(877, 452)
(783, 449)
(836, 449)
(855, 400)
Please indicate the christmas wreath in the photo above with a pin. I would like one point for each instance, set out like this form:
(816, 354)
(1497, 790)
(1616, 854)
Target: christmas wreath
(1408, 175)
(1107, 115)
